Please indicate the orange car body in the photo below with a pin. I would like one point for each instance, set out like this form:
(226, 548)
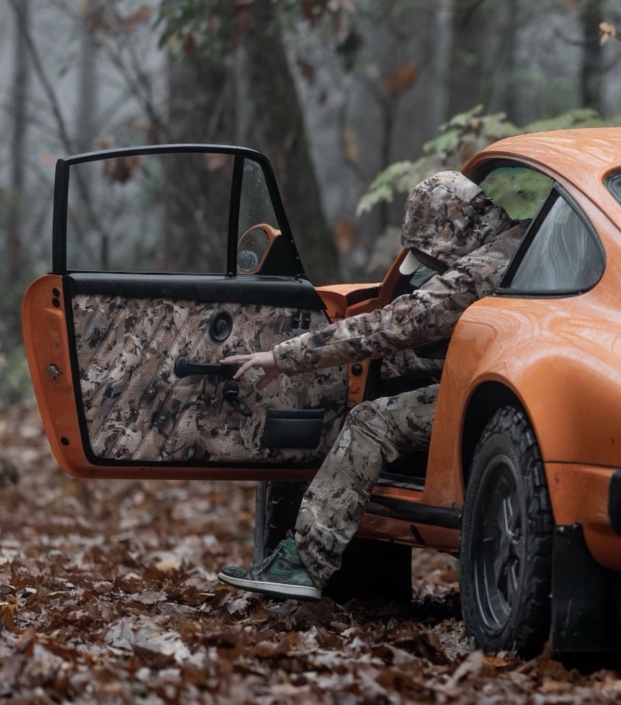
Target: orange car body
(558, 357)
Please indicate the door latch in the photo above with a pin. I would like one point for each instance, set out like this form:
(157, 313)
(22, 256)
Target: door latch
(230, 392)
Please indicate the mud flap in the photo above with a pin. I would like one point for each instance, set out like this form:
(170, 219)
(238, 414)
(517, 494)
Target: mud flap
(585, 598)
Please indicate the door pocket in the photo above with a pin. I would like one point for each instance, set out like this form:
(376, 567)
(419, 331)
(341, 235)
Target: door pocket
(292, 428)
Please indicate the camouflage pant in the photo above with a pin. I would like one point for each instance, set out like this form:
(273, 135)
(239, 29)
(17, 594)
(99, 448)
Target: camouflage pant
(375, 432)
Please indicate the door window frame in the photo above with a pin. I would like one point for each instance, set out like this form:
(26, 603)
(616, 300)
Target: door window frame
(61, 197)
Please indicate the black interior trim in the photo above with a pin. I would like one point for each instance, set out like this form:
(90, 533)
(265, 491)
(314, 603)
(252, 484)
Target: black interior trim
(359, 295)
(59, 217)
(403, 481)
(415, 512)
(247, 289)
(293, 428)
(231, 244)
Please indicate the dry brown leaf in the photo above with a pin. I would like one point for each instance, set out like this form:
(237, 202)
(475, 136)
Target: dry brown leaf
(216, 162)
(140, 16)
(307, 70)
(344, 236)
(350, 145)
(400, 79)
(121, 169)
(550, 686)
(606, 31)
(189, 44)
(108, 620)
(26, 641)
(8, 610)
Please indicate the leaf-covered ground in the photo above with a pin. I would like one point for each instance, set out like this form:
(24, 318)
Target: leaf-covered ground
(108, 595)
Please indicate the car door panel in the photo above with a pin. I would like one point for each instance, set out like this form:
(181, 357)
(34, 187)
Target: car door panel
(137, 409)
(102, 343)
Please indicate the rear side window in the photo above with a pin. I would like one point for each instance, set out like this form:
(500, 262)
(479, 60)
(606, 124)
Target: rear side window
(560, 255)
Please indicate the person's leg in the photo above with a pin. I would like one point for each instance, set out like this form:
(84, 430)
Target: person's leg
(376, 432)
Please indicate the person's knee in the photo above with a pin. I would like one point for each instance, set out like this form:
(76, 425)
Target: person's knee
(362, 416)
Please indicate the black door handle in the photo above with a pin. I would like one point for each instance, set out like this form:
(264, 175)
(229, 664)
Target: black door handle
(185, 368)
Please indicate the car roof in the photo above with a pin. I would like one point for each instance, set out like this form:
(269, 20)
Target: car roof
(596, 150)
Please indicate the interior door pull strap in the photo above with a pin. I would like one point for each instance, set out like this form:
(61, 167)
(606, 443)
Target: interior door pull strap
(185, 368)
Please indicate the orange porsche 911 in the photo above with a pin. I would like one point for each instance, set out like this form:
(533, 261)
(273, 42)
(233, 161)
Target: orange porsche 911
(167, 259)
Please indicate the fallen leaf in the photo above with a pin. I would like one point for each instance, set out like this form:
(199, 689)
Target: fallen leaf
(306, 69)
(216, 162)
(400, 79)
(606, 31)
(350, 145)
(8, 610)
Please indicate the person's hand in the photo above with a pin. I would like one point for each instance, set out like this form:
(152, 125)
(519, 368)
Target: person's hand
(265, 360)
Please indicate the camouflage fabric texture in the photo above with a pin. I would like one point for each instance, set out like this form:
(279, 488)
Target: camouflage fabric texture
(408, 364)
(447, 218)
(376, 432)
(137, 409)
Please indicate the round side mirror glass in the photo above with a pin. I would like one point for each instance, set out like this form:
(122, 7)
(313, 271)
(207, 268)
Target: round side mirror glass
(253, 245)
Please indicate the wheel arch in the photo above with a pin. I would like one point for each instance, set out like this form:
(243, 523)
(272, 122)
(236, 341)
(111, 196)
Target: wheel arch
(483, 403)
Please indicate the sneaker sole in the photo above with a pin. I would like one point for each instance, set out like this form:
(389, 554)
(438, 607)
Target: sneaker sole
(275, 589)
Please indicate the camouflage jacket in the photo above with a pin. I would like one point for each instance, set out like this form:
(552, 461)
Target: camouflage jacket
(427, 315)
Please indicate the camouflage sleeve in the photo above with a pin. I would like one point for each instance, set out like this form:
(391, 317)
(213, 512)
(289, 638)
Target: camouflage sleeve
(426, 315)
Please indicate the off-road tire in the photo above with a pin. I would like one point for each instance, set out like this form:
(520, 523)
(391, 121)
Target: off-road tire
(505, 573)
(370, 569)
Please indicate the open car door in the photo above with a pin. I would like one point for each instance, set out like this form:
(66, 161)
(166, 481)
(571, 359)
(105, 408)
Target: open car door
(165, 260)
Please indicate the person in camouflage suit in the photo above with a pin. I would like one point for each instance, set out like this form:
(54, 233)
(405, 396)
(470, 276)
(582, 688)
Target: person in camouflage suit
(451, 228)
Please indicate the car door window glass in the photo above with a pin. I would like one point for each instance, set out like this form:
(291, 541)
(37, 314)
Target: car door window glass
(256, 204)
(520, 190)
(564, 256)
(150, 213)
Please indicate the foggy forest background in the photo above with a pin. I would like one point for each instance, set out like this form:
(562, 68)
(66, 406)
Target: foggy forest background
(354, 101)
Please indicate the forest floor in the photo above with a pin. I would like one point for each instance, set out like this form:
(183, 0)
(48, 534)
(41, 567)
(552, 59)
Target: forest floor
(108, 594)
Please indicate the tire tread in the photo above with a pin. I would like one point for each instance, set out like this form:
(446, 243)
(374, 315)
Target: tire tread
(527, 637)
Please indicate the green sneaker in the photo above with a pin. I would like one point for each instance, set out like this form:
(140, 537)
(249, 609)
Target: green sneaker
(281, 574)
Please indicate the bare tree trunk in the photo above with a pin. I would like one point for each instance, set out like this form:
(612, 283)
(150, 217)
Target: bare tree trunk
(471, 20)
(591, 14)
(438, 110)
(86, 118)
(202, 109)
(502, 89)
(279, 115)
(18, 143)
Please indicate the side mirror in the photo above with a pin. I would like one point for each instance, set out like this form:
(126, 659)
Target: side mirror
(253, 247)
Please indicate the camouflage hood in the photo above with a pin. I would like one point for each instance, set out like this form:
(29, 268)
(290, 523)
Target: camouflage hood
(447, 216)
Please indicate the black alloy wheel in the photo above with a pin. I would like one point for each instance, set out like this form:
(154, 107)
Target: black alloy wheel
(506, 539)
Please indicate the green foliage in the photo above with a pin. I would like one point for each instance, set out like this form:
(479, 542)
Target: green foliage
(196, 26)
(458, 140)
(520, 191)
(581, 117)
